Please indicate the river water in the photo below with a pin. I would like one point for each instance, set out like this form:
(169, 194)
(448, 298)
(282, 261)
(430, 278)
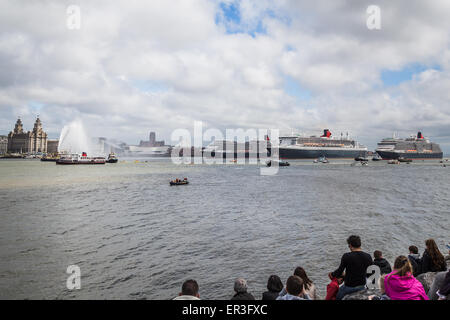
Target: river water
(135, 237)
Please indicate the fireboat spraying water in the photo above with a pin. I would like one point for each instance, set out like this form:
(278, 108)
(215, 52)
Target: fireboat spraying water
(76, 146)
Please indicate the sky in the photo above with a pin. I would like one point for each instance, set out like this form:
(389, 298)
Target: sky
(135, 66)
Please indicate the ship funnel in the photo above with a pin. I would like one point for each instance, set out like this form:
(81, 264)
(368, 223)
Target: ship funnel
(419, 135)
(326, 133)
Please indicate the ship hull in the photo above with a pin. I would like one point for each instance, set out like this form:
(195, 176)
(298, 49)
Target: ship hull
(294, 153)
(90, 162)
(389, 155)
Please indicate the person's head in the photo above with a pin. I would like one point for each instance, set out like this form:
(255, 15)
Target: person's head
(190, 288)
(294, 285)
(433, 251)
(402, 266)
(354, 242)
(240, 285)
(413, 250)
(274, 283)
(300, 272)
(377, 254)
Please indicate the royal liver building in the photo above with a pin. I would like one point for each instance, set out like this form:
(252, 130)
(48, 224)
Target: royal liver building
(34, 141)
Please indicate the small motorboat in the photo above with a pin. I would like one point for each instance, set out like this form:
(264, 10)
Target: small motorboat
(402, 159)
(321, 160)
(280, 163)
(361, 158)
(393, 161)
(179, 182)
(377, 157)
(112, 158)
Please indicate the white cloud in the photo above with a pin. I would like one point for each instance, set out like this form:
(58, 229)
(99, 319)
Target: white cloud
(135, 66)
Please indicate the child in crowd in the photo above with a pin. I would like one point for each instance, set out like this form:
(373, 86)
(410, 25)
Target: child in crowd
(333, 287)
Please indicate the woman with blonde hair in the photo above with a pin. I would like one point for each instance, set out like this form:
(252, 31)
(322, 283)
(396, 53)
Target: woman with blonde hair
(400, 284)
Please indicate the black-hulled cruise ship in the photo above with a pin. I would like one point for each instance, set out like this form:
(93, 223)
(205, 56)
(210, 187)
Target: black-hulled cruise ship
(414, 147)
(294, 147)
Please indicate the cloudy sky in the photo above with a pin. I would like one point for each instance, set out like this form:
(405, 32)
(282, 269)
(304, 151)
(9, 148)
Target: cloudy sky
(135, 66)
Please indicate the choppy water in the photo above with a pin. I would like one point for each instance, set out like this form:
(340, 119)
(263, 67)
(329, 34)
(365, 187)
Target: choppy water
(135, 237)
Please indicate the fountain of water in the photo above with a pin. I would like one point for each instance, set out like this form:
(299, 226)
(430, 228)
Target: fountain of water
(74, 139)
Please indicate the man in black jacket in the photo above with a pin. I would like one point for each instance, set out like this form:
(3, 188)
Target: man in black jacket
(381, 262)
(355, 264)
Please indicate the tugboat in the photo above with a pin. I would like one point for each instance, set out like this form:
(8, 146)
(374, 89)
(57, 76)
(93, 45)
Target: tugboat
(179, 182)
(376, 157)
(51, 158)
(321, 160)
(112, 158)
(280, 163)
(361, 158)
(77, 159)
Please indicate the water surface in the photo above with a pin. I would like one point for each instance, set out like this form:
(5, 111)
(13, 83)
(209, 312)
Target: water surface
(135, 237)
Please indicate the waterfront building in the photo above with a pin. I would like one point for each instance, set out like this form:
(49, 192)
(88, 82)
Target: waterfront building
(3, 144)
(52, 146)
(20, 141)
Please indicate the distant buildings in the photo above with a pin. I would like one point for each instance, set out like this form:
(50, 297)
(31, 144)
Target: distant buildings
(35, 141)
(3, 144)
(52, 146)
(152, 142)
(151, 148)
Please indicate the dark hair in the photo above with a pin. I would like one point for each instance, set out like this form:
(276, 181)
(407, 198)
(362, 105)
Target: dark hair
(274, 283)
(300, 272)
(294, 285)
(403, 266)
(433, 250)
(413, 249)
(189, 288)
(377, 254)
(354, 241)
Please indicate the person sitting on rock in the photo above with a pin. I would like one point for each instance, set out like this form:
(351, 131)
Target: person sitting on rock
(274, 286)
(432, 258)
(382, 263)
(355, 264)
(294, 290)
(400, 284)
(436, 286)
(415, 260)
(189, 291)
(444, 290)
(240, 289)
(333, 287)
(309, 286)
